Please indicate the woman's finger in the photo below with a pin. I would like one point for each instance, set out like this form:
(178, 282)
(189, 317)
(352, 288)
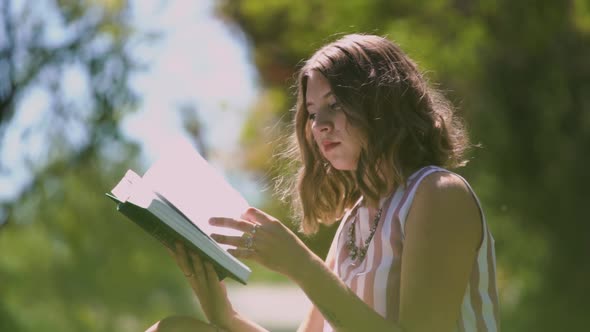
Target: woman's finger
(196, 259)
(216, 288)
(182, 259)
(236, 241)
(256, 216)
(197, 264)
(243, 253)
(240, 225)
(198, 278)
(171, 252)
(210, 272)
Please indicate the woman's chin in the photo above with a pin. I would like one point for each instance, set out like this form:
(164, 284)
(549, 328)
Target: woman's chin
(342, 166)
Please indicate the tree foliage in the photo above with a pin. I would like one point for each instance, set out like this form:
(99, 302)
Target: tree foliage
(68, 260)
(74, 263)
(518, 72)
(48, 48)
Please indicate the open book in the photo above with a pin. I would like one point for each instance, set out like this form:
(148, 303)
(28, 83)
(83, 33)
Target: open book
(175, 199)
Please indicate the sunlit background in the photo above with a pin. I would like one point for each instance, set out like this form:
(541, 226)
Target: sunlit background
(91, 88)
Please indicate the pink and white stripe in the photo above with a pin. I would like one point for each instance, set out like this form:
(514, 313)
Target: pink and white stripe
(377, 279)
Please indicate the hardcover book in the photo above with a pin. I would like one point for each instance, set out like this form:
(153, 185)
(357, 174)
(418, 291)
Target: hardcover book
(174, 200)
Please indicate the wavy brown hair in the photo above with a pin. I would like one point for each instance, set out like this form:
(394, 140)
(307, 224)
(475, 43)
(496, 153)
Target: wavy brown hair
(404, 124)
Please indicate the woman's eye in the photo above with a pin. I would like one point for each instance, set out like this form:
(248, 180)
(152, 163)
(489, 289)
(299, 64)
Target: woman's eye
(335, 106)
(311, 116)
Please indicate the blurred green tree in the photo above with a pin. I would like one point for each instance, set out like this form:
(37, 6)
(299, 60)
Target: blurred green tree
(68, 260)
(520, 75)
(47, 50)
(73, 263)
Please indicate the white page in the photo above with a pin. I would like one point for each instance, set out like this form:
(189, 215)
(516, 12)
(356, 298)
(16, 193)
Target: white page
(132, 188)
(187, 180)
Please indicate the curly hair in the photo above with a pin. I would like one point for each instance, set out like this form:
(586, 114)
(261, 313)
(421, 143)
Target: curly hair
(404, 124)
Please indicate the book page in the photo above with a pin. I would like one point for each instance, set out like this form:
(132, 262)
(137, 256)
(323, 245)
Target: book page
(132, 188)
(189, 182)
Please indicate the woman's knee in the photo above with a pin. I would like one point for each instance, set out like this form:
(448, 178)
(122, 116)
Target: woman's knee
(181, 324)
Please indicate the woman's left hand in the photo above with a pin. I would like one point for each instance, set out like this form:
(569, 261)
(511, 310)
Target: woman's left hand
(203, 279)
(265, 240)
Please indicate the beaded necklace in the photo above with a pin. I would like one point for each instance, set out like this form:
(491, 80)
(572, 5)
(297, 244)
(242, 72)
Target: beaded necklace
(360, 252)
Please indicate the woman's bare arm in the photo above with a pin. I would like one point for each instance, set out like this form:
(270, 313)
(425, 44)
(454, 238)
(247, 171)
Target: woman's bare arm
(442, 234)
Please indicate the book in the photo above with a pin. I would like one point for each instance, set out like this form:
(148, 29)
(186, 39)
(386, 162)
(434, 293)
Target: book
(174, 200)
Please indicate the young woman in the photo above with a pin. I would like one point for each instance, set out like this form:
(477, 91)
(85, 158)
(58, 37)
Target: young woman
(413, 251)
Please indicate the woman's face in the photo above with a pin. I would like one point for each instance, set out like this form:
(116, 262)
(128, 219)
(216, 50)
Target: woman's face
(337, 141)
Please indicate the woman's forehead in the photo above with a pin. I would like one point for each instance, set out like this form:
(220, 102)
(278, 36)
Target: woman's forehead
(318, 88)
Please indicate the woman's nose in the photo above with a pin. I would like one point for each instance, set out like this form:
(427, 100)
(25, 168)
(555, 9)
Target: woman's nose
(322, 122)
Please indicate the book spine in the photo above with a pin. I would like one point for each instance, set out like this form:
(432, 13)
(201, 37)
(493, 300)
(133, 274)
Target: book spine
(157, 229)
(153, 226)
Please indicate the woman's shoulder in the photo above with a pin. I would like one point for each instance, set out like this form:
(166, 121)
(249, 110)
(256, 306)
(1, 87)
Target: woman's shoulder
(441, 181)
(443, 189)
(444, 201)
(437, 180)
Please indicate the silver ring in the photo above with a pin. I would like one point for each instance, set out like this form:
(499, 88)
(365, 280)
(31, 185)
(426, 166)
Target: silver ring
(189, 275)
(254, 229)
(249, 242)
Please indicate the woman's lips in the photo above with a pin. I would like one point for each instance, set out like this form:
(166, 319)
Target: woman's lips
(330, 145)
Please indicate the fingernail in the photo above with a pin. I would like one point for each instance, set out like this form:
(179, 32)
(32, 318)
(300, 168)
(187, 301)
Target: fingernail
(212, 221)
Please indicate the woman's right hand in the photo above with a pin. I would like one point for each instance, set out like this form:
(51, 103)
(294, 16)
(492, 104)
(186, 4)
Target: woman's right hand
(203, 279)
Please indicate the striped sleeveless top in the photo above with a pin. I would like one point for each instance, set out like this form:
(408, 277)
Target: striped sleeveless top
(376, 279)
